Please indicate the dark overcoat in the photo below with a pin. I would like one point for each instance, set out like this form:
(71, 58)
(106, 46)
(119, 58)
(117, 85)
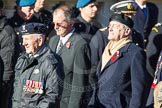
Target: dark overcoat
(97, 46)
(75, 62)
(122, 82)
(143, 24)
(86, 27)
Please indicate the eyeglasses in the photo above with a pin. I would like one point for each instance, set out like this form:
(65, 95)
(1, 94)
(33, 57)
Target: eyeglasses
(61, 24)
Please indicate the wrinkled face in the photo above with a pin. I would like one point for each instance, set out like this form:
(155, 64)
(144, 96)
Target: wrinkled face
(61, 26)
(90, 10)
(116, 31)
(27, 12)
(31, 43)
(40, 3)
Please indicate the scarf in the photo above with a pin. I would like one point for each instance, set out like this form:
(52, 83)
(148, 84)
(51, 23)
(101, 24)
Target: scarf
(111, 49)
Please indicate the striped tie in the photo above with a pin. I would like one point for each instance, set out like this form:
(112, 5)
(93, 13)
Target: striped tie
(59, 46)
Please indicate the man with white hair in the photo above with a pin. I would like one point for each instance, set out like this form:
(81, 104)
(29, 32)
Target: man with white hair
(122, 75)
(36, 79)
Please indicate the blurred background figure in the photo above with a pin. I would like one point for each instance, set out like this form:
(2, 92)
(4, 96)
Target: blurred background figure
(154, 65)
(1, 77)
(154, 47)
(146, 17)
(43, 16)
(23, 14)
(7, 55)
(86, 22)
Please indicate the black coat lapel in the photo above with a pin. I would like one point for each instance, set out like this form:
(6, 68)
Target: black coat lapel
(116, 56)
(113, 59)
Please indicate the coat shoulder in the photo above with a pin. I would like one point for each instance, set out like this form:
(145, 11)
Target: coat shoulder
(157, 28)
(79, 38)
(133, 49)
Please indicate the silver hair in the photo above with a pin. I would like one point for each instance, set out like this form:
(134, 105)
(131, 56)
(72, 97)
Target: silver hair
(36, 36)
(69, 17)
(126, 27)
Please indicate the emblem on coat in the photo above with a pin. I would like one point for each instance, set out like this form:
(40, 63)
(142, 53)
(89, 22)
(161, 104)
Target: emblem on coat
(36, 71)
(114, 57)
(33, 86)
(68, 44)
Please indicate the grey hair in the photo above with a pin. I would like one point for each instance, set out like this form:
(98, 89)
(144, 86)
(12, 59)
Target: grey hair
(126, 27)
(69, 17)
(36, 36)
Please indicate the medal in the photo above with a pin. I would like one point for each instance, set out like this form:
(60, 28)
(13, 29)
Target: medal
(154, 83)
(37, 90)
(40, 91)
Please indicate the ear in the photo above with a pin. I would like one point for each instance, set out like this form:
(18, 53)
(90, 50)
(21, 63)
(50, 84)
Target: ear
(127, 31)
(40, 40)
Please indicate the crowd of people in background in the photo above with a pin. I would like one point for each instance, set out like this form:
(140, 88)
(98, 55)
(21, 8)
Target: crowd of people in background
(68, 59)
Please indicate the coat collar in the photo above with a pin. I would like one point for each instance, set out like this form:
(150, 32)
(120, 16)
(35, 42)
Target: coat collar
(3, 21)
(114, 58)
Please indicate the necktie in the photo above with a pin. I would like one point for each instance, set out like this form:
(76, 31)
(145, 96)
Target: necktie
(145, 12)
(59, 46)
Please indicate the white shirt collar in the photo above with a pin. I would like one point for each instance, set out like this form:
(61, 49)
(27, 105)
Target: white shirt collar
(141, 6)
(65, 38)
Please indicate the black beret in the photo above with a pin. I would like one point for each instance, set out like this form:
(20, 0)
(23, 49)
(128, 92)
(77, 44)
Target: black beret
(1, 4)
(122, 19)
(33, 28)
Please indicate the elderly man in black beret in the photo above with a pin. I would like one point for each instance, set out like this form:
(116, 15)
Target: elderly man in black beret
(121, 73)
(36, 71)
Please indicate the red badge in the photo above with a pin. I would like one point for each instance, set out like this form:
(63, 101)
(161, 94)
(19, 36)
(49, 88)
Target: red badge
(113, 58)
(153, 85)
(68, 44)
(117, 53)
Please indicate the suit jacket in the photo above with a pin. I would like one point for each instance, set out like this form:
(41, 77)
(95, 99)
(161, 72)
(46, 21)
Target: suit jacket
(122, 82)
(143, 24)
(75, 62)
(86, 27)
